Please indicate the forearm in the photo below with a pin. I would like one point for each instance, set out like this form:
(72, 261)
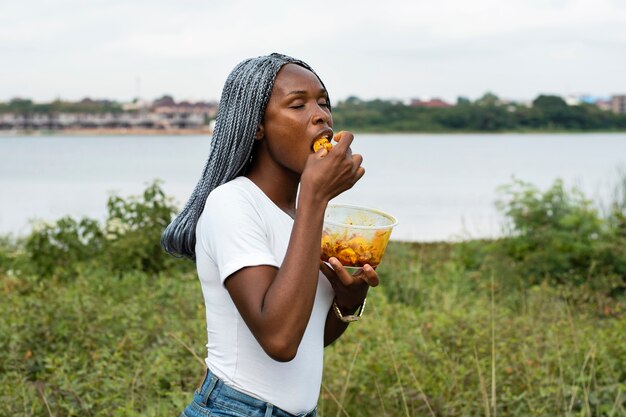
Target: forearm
(334, 328)
(334, 325)
(287, 305)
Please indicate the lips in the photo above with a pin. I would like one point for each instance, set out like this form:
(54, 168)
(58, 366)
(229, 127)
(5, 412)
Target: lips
(322, 137)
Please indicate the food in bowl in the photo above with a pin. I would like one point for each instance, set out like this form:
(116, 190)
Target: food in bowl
(354, 250)
(356, 236)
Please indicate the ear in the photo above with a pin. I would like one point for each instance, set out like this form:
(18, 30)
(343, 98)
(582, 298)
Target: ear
(260, 132)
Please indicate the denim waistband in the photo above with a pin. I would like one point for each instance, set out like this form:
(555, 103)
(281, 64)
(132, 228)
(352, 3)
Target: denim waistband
(214, 390)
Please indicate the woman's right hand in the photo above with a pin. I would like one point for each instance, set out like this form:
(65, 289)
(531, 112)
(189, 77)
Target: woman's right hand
(330, 173)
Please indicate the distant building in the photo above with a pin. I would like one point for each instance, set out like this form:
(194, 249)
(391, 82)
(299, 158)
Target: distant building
(573, 99)
(589, 99)
(183, 114)
(135, 106)
(435, 102)
(165, 101)
(578, 99)
(164, 113)
(618, 104)
(603, 104)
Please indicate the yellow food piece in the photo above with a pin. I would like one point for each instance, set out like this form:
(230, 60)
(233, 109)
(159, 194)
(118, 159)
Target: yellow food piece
(354, 250)
(347, 257)
(322, 143)
(327, 244)
(358, 244)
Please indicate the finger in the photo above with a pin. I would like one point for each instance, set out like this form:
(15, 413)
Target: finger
(372, 275)
(360, 171)
(331, 275)
(327, 270)
(367, 275)
(343, 145)
(357, 160)
(321, 152)
(343, 275)
(337, 136)
(360, 276)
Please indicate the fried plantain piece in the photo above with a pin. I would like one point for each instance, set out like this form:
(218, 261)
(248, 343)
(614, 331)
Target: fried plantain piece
(322, 143)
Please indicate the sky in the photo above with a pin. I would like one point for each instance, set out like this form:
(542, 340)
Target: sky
(114, 49)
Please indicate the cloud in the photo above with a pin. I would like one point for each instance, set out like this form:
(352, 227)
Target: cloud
(367, 48)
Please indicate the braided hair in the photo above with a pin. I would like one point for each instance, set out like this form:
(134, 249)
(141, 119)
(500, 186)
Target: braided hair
(244, 98)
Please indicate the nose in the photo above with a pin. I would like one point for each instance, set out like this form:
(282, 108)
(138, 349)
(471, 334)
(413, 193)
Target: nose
(321, 115)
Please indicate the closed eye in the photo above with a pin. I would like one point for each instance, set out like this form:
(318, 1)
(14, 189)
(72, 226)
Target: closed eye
(300, 106)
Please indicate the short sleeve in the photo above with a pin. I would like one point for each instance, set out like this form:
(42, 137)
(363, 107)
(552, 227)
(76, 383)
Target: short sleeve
(233, 232)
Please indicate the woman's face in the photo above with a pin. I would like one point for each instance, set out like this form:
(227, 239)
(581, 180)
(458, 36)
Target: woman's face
(296, 115)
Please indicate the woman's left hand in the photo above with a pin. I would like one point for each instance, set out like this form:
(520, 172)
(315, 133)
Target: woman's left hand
(350, 290)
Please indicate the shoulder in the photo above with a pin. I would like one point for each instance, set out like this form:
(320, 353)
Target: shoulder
(232, 229)
(233, 205)
(237, 189)
(233, 197)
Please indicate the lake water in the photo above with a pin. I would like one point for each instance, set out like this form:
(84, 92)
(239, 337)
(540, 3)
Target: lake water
(438, 186)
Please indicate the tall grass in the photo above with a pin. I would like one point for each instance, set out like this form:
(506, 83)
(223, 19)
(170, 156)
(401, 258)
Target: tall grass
(473, 328)
(480, 353)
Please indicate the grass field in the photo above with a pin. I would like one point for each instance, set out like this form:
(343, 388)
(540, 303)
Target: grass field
(476, 328)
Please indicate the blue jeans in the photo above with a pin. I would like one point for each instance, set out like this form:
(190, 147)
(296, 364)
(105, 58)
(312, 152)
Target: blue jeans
(216, 399)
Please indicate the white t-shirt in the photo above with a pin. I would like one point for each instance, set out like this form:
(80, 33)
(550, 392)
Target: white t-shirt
(239, 227)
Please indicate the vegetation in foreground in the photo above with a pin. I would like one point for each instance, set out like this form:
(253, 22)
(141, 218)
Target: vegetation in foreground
(99, 322)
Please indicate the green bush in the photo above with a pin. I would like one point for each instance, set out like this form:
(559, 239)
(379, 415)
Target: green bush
(57, 249)
(133, 231)
(129, 240)
(617, 210)
(559, 236)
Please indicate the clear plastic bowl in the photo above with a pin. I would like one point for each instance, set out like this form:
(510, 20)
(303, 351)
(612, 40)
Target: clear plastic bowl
(355, 235)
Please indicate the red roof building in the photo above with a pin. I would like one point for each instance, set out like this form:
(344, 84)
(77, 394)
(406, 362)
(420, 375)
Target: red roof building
(435, 102)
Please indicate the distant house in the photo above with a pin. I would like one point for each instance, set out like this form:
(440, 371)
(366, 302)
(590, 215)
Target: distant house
(573, 99)
(618, 103)
(163, 113)
(603, 104)
(165, 101)
(435, 102)
(88, 101)
(183, 114)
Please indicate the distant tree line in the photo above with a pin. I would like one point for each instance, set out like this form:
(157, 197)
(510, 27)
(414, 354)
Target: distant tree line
(27, 106)
(487, 114)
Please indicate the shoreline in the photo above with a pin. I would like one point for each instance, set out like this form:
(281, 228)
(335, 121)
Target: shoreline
(209, 131)
(109, 132)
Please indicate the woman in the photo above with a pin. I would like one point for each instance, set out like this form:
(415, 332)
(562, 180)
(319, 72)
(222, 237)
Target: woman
(271, 305)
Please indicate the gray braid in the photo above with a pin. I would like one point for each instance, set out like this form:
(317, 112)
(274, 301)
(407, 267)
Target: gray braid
(244, 98)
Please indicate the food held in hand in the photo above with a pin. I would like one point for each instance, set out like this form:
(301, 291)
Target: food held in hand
(322, 142)
(354, 250)
(355, 235)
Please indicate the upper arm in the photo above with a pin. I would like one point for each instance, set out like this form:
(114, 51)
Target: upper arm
(247, 288)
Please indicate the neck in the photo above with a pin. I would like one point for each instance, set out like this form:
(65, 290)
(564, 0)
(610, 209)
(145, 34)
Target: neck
(279, 185)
